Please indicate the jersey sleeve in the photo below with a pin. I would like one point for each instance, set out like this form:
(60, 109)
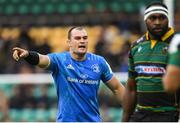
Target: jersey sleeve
(106, 71)
(53, 62)
(131, 67)
(174, 51)
(174, 59)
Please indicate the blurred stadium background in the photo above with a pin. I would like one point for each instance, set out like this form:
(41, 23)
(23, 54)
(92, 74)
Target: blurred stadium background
(27, 92)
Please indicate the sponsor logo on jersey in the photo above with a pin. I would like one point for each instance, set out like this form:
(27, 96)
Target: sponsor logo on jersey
(165, 50)
(70, 67)
(150, 69)
(139, 49)
(82, 81)
(95, 68)
(84, 76)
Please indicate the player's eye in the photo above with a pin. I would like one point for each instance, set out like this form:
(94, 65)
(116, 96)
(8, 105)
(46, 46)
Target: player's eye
(79, 37)
(85, 37)
(152, 17)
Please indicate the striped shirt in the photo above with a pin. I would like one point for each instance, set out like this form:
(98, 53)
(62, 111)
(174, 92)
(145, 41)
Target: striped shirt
(147, 64)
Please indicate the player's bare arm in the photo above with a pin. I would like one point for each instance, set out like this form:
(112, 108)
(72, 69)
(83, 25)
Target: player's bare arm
(117, 88)
(129, 99)
(31, 57)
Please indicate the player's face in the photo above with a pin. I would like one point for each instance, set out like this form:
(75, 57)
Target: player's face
(78, 42)
(157, 24)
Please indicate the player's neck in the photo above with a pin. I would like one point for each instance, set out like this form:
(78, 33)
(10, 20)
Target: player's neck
(78, 57)
(152, 37)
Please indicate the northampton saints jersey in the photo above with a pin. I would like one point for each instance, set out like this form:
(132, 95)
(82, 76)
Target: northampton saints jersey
(147, 64)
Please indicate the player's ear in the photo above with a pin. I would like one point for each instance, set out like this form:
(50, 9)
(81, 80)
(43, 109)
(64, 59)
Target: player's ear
(69, 42)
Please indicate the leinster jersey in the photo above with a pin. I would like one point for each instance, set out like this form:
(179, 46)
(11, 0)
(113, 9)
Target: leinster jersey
(77, 84)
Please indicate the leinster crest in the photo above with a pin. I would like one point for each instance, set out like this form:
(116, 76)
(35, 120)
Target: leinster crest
(95, 68)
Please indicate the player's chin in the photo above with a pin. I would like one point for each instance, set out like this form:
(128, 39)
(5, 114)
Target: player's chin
(83, 51)
(158, 33)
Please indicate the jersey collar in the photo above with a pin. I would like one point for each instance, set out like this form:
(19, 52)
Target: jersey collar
(164, 37)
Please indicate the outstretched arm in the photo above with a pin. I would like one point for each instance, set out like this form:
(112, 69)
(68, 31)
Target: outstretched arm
(33, 58)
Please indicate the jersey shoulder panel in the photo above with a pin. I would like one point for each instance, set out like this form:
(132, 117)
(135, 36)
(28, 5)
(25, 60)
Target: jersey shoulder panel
(139, 41)
(95, 57)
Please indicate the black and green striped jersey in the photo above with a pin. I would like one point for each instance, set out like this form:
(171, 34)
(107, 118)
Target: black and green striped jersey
(174, 51)
(147, 63)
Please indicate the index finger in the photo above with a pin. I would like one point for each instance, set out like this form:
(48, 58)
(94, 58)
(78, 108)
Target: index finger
(16, 48)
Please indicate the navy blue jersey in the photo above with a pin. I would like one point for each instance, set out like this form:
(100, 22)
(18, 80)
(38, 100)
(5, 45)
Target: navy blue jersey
(77, 84)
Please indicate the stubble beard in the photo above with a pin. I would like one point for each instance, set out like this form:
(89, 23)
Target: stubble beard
(155, 35)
